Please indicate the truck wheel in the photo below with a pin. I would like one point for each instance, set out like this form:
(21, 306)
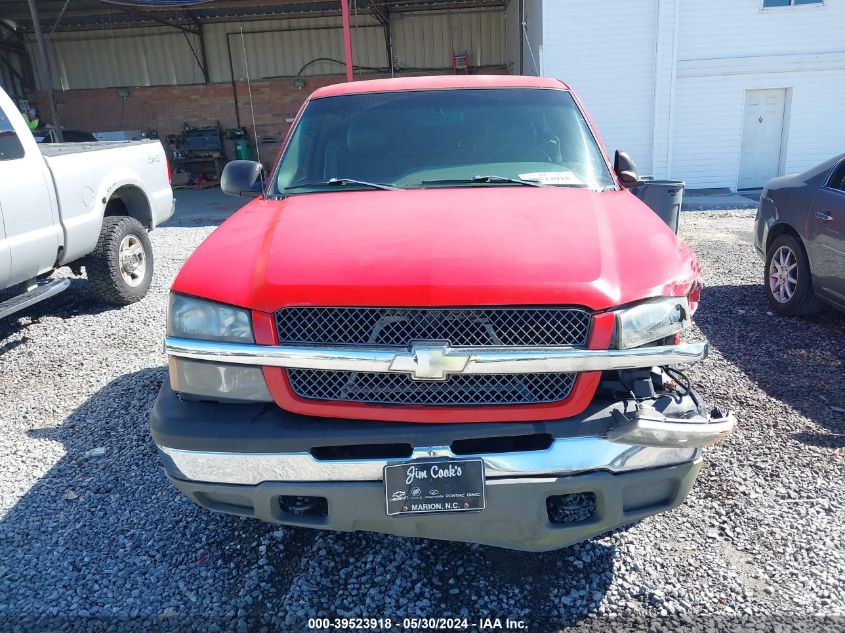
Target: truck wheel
(121, 267)
(789, 287)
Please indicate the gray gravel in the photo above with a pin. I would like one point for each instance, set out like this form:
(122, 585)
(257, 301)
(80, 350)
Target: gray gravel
(104, 538)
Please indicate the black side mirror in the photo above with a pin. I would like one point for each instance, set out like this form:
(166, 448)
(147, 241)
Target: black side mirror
(241, 178)
(626, 170)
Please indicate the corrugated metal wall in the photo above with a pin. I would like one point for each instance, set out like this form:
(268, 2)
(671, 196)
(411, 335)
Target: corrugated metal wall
(11, 66)
(125, 57)
(427, 40)
(281, 48)
(274, 48)
(7, 80)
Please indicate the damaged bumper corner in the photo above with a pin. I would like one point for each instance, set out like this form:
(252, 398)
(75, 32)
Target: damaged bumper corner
(646, 426)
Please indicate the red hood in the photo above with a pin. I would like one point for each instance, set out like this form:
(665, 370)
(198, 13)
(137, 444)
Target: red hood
(468, 246)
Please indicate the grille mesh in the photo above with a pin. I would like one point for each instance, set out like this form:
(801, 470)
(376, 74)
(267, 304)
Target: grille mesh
(461, 327)
(456, 390)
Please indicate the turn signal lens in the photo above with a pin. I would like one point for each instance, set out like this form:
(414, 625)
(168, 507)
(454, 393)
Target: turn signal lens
(218, 381)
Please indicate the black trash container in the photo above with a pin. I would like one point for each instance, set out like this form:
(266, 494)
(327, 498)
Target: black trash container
(664, 197)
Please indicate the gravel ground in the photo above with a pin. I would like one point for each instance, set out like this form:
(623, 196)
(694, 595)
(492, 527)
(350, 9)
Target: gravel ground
(89, 540)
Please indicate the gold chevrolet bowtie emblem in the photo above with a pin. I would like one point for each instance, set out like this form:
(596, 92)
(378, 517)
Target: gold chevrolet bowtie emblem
(430, 361)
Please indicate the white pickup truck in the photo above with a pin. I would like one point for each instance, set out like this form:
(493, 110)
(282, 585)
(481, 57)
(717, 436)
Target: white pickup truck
(77, 204)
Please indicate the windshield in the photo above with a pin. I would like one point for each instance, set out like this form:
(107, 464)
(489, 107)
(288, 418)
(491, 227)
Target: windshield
(442, 138)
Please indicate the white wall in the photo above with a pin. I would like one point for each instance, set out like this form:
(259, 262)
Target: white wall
(665, 70)
(722, 53)
(742, 28)
(709, 114)
(606, 52)
(678, 106)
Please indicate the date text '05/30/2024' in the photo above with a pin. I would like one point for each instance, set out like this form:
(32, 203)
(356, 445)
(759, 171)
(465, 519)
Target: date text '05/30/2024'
(416, 624)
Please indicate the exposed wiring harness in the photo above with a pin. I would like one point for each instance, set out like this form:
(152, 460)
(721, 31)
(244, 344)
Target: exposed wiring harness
(624, 391)
(682, 379)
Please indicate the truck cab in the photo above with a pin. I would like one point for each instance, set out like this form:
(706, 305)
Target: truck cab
(31, 233)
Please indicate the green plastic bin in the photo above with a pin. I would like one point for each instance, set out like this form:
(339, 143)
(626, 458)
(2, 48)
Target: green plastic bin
(243, 149)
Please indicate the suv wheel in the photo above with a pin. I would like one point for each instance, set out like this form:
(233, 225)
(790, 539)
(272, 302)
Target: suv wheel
(121, 267)
(789, 287)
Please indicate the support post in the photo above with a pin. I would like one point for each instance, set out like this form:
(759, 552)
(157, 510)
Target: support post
(203, 51)
(388, 38)
(521, 37)
(382, 14)
(203, 56)
(44, 68)
(347, 40)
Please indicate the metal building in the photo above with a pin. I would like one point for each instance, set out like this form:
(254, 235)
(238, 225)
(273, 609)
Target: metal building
(162, 64)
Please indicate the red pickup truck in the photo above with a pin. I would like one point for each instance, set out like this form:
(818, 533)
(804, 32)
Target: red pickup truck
(443, 316)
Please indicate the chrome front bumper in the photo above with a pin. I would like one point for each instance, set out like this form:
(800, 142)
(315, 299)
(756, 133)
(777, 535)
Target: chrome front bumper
(636, 443)
(446, 361)
(565, 456)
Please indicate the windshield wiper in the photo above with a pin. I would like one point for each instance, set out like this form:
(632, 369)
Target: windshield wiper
(340, 182)
(482, 180)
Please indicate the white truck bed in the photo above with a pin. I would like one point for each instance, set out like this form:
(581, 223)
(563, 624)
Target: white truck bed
(60, 149)
(54, 197)
(86, 175)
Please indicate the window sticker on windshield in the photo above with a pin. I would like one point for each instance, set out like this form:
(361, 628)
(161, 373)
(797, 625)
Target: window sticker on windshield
(552, 177)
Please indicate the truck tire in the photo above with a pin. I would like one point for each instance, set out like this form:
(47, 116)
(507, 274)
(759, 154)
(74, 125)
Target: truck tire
(121, 267)
(787, 280)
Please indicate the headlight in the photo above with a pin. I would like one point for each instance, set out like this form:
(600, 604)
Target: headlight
(650, 321)
(189, 317)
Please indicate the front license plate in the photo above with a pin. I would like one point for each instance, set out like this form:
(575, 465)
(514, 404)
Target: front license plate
(451, 485)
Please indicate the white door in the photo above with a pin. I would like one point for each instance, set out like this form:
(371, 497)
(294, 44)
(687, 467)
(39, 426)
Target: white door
(32, 230)
(762, 137)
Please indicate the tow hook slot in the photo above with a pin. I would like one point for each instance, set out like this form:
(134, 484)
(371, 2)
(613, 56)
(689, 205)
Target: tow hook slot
(646, 426)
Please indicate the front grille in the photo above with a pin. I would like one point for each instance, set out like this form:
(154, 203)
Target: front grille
(460, 327)
(456, 390)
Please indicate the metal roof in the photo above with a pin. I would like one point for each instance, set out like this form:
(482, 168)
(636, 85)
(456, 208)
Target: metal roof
(71, 15)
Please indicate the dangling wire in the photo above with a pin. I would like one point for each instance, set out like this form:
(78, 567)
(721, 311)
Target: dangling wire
(530, 49)
(251, 106)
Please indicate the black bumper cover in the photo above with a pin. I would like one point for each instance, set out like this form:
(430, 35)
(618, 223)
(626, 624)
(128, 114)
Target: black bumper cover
(265, 428)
